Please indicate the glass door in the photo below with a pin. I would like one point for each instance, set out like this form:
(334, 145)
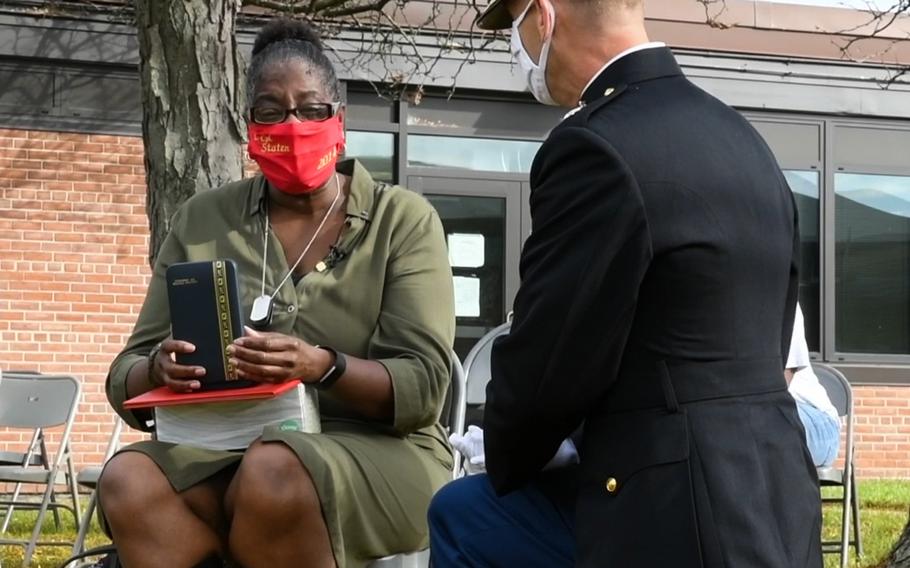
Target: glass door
(482, 222)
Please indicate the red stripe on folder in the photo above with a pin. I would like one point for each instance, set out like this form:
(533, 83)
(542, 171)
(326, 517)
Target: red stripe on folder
(163, 396)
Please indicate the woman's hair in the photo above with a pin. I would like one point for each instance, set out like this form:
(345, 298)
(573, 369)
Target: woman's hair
(286, 40)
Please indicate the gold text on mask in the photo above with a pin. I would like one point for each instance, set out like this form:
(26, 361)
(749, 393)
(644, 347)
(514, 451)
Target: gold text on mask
(271, 147)
(327, 159)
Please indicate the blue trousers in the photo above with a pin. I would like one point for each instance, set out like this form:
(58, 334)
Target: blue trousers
(471, 527)
(822, 433)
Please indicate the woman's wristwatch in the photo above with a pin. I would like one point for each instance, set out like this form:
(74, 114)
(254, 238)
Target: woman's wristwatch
(335, 371)
(153, 356)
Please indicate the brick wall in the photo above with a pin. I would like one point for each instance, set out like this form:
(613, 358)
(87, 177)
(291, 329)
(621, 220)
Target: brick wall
(73, 273)
(73, 268)
(882, 431)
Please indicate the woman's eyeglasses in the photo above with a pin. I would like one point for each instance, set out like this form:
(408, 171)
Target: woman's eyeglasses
(314, 112)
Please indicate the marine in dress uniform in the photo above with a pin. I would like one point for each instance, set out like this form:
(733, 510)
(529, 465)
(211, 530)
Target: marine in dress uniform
(655, 311)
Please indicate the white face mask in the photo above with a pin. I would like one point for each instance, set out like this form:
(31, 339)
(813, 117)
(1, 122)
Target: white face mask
(535, 73)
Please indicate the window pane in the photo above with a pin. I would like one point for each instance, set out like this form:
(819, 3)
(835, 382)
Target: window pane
(481, 154)
(805, 187)
(26, 89)
(368, 107)
(375, 150)
(872, 263)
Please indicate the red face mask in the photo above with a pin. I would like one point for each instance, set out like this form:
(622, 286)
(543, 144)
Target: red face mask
(297, 157)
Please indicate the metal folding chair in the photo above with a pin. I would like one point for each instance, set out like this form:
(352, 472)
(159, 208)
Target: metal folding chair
(88, 478)
(454, 421)
(35, 455)
(32, 456)
(456, 408)
(841, 395)
(37, 403)
(413, 560)
(477, 364)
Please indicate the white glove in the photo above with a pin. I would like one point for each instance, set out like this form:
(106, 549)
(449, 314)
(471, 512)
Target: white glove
(471, 447)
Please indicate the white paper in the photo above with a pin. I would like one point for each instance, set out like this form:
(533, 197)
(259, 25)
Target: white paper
(466, 250)
(467, 297)
(235, 425)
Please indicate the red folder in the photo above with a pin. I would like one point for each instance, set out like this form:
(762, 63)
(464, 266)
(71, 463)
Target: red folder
(163, 396)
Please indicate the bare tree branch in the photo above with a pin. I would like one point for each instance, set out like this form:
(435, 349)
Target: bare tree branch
(397, 46)
(713, 20)
(321, 8)
(352, 10)
(879, 21)
(282, 7)
(849, 41)
(391, 51)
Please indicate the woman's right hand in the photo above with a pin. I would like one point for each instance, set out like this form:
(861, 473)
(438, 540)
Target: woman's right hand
(165, 371)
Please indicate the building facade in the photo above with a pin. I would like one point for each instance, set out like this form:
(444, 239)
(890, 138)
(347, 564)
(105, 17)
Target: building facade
(73, 230)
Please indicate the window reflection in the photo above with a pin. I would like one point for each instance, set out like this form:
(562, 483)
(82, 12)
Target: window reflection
(480, 154)
(375, 150)
(872, 263)
(805, 188)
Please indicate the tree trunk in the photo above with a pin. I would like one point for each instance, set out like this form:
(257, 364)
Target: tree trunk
(900, 555)
(192, 102)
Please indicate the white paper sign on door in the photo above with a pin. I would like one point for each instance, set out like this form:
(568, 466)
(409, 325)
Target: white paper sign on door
(466, 250)
(467, 297)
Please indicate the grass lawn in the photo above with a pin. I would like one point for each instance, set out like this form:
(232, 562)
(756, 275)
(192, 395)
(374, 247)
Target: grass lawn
(885, 506)
(45, 556)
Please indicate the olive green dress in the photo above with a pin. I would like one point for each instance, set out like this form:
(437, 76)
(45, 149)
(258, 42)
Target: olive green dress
(389, 300)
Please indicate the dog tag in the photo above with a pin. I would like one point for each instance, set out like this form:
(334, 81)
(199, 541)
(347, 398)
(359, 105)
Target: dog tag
(261, 314)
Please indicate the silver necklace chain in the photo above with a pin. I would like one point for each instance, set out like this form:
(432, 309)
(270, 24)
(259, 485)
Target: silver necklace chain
(265, 240)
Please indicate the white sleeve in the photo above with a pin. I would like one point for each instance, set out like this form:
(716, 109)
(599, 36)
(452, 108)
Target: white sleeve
(799, 350)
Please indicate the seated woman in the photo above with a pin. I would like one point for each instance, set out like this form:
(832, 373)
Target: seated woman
(354, 266)
(816, 412)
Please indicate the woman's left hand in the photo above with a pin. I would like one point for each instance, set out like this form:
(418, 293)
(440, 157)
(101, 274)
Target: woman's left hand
(270, 357)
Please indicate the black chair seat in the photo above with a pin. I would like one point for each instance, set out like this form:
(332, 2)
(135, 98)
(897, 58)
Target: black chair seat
(838, 388)
(830, 476)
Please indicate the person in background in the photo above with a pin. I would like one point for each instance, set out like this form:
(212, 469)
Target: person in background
(355, 267)
(658, 289)
(818, 415)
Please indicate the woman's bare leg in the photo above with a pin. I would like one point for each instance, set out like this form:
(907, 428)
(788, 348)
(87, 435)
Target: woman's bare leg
(276, 516)
(155, 526)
